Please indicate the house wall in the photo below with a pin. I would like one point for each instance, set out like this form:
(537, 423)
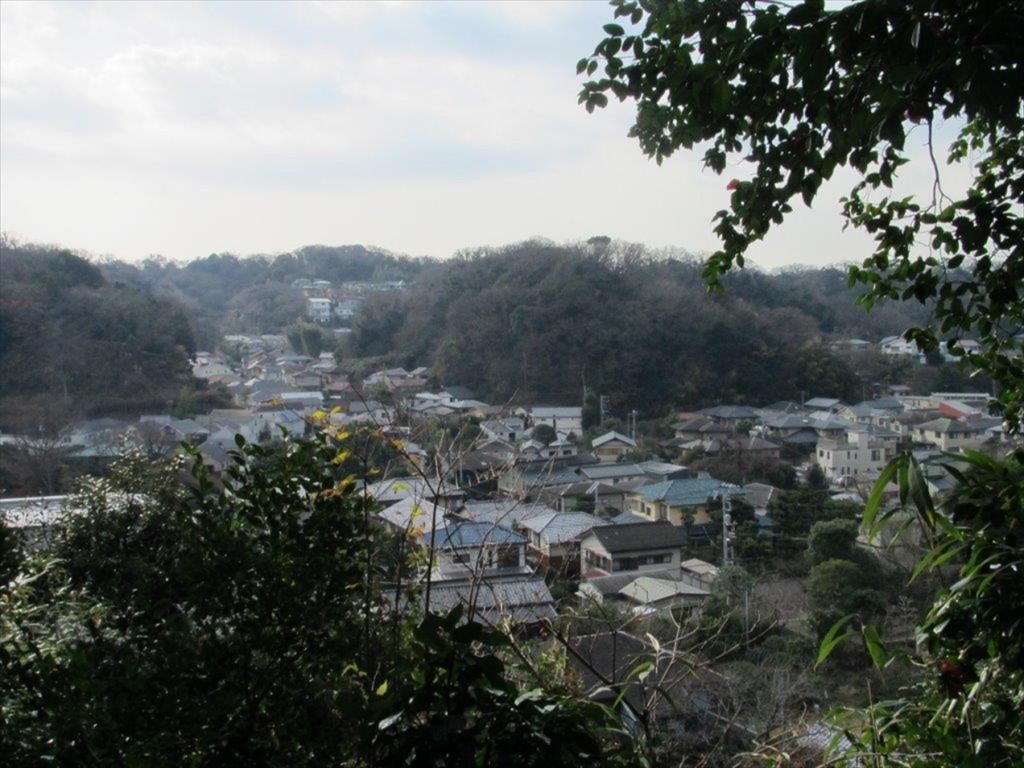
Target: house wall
(839, 460)
(656, 510)
(609, 453)
(593, 556)
(561, 423)
(947, 441)
(479, 559)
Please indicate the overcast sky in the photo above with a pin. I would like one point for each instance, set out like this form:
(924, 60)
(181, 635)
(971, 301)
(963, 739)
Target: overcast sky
(183, 129)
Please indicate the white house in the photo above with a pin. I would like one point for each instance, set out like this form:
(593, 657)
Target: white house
(860, 454)
(318, 310)
(562, 419)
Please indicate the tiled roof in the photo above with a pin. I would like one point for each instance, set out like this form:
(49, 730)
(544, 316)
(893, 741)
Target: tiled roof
(634, 537)
(646, 590)
(604, 471)
(522, 600)
(462, 535)
(688, 492)
(547, 412)
(559, 527)
(609, 436)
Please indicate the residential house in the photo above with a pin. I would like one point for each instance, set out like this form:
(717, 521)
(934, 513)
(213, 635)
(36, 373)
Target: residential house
(860, 455)
(827, 404)
(749, 446)
(612, 446)
(611, 549)
(554, 538)
(600, 589)
(463, 549)
(651, 594)
(588, 495)
(563, 419)
(703, 572)
(700, 428)
(507, 512)
(682, 502)
(950, 435)
(509, 429)
(897, 346)
(523, 601)
(663, 470)
(732, 415)
(612, 474)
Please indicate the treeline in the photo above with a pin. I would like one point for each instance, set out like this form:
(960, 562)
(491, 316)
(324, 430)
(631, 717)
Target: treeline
(540, 321)
(75, 345)
(231, 294)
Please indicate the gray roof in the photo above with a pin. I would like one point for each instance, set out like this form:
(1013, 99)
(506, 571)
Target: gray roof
(507, 512)
(561, 412)
(608, 437)
(732, 412)
(647, 589)
(611, 584)
(634, 537)
(560, 527)
(822, 402)
(627, 517)
(522, 600)
(688, 492)
(467, 535)
(606, 471)
(948, 426)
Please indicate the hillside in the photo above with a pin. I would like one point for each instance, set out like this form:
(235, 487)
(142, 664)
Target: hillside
(228, 294)
(74, 345)
(538, 321)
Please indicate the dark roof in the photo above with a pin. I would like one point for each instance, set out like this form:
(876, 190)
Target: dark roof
(632, 537)
(523, 600)
(732, 412)
(460, 393)
(466, 534)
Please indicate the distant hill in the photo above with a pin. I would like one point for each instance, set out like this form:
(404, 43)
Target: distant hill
(74, 345)
(538, 321)
(534, 320)
(252, 294)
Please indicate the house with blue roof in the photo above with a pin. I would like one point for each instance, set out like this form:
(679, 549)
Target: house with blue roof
(682, 501)
(465, 549)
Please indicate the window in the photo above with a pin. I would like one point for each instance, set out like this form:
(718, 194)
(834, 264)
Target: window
(461, 558)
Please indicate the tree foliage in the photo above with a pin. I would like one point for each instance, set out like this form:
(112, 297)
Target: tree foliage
(265, 621)
(800, 91)
(532, 320)
(72, 343)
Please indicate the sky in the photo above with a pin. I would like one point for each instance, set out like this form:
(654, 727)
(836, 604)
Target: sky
(182, 129)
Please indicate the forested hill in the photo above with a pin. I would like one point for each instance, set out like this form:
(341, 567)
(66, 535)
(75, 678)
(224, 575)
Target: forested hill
(229, 294)
(74, 345)
(538, 321)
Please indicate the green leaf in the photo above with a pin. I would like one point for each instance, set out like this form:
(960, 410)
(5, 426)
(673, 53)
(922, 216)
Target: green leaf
(878, 492)
(614, 30)
(879, 656)
(833, 638)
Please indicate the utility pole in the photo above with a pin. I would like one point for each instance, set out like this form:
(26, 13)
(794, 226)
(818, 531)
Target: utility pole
(727, 530)
(632, 431)
(604, 405)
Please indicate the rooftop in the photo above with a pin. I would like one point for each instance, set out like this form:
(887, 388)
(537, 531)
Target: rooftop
(633, 537)
(688, 492)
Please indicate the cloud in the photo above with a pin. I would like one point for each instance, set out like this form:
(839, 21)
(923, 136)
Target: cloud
(187, 128)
